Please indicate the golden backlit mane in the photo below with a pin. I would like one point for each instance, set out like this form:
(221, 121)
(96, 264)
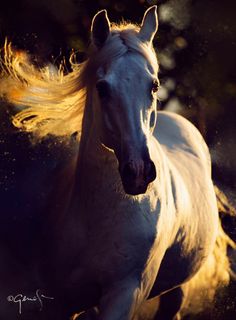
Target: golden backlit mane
(50, 101)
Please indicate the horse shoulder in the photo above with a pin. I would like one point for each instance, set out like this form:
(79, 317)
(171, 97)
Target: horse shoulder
(188, 165)
(177, 134)
(190, 170)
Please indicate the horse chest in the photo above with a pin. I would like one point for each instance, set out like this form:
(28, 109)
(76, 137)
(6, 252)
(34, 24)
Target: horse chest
(120, 236)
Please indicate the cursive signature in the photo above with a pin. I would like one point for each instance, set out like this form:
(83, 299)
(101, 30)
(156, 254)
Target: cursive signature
(21, 298)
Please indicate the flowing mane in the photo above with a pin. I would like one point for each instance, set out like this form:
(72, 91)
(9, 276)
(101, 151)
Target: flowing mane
(51, 102)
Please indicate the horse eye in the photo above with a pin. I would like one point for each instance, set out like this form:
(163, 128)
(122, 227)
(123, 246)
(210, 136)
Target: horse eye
(155, 85)
(103, 88)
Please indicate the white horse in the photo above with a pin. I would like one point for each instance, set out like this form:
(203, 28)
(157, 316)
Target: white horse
(140, 219)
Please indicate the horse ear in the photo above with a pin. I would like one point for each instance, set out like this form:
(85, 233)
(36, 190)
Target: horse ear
(149, 25)
(100, 28)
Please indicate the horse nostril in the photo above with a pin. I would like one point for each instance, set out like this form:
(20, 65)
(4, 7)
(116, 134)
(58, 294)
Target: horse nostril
(151, 171)
(128, 171)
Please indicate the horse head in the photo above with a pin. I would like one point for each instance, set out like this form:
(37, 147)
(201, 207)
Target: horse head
(125, 94)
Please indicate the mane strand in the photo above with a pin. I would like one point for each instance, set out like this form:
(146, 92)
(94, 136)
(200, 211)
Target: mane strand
(45, 98)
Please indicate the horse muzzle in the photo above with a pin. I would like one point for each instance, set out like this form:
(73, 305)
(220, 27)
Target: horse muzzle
(137, 175)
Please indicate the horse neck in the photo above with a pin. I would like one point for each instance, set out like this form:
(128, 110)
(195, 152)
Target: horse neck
(91, 150)
(93, 156)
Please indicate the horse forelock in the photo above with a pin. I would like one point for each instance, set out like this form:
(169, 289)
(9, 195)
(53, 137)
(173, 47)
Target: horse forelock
(122, 39)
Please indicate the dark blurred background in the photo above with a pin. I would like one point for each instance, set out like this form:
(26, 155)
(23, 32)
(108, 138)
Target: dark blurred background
(196, 48)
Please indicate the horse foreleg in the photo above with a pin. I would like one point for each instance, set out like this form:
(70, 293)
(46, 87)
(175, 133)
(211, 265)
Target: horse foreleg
(120, 301)
(170, 304)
